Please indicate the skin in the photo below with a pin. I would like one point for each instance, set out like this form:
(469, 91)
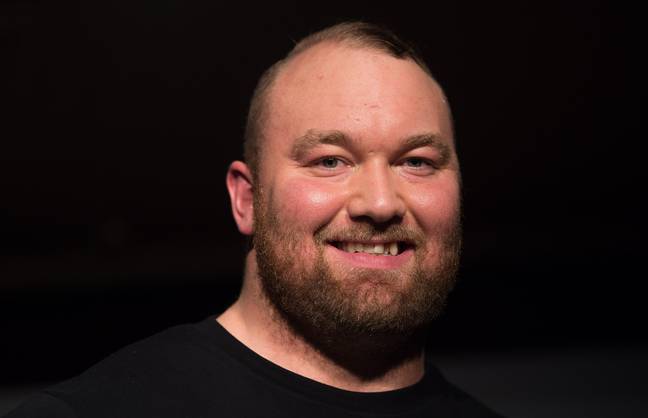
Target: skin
(376, 102)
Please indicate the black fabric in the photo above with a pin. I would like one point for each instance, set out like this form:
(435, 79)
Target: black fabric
(201, 370)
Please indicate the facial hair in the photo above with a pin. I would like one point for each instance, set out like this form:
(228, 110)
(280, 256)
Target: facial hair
(318, 302)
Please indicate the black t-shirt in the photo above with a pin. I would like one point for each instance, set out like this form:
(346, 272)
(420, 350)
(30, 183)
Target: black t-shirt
(201, 370)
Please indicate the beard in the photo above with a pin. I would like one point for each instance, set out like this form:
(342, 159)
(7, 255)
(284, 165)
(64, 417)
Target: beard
(328, 304)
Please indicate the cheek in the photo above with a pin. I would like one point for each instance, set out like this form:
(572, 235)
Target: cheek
(438, 208)
(307, 204)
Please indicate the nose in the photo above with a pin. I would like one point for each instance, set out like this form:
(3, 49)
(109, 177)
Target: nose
(375, 194)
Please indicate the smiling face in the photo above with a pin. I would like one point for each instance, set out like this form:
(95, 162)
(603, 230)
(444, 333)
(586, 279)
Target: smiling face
(356, 206)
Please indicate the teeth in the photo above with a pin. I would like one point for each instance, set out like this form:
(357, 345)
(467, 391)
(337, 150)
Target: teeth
(377, 249)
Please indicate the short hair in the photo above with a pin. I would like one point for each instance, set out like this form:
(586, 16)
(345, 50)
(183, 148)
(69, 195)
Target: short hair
(353, 34)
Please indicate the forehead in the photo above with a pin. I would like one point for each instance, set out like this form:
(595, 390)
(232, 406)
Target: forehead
(361, 91)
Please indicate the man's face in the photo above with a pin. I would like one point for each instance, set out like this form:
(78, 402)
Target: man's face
(357, 203)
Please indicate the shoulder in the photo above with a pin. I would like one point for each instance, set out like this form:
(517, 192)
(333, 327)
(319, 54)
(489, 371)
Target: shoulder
(156, 376)
(175, 352)
(42, 405)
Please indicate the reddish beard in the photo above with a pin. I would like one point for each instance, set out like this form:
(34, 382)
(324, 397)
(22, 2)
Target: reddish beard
(356, 303)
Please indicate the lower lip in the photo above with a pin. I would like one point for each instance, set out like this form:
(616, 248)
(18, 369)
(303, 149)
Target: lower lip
(365, 260)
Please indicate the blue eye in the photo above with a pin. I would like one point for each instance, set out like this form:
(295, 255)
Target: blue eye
(416, 162)
(329, 162)
(419, 166)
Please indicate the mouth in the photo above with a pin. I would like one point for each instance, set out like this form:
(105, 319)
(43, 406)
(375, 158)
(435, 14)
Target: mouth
(386, 248)
(371, 254)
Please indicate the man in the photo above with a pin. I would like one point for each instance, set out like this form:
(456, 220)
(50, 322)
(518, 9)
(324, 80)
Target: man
(351, 194)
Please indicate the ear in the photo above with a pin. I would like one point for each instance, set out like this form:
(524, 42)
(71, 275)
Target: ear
(239, 186)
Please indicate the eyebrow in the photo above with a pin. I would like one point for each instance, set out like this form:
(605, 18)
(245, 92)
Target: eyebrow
(313, 138)
(428, 140)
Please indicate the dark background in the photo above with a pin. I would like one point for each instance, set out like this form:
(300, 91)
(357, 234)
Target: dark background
(119, 119)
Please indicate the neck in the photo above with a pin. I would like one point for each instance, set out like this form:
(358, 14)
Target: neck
(351, 362)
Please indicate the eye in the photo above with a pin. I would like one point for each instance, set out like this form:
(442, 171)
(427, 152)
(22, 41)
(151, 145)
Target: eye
(329, 166)
(419, 166)
(418, 163)
(329, 162)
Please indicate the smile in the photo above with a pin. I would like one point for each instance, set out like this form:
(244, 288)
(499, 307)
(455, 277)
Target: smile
(384, 248)
(381, 255)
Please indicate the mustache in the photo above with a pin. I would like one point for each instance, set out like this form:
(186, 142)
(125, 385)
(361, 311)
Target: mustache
(368, 232)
